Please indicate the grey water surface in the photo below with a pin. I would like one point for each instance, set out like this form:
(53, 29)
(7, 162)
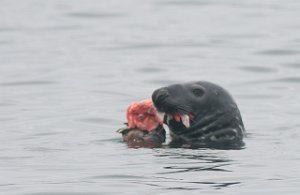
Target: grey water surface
(69, 69)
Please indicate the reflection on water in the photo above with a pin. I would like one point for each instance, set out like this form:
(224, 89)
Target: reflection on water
(68, 71)
(195, 163)
(187, 169)
(204, 162)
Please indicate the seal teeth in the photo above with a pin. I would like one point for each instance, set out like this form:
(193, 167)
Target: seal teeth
(169, 117)
(185, 120)
(161, 115)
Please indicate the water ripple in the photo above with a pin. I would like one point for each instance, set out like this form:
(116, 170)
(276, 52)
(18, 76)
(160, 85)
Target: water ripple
(114, 93)
(43, 149)
(185, 3)
(7, 29)
(150, 70)
(257, 69)
(62, 28)
(291, 79)
(119, 176)
(154, 45)
(2, 119)
(62, 193)
(257, 96)
(24, 83)
(182, 169)
(295, 79)
(4, 42)
(278, 52)
(161, 81)
(293, 65)
(90, 15)
(193, 155)
(99, 120)
(218, 185)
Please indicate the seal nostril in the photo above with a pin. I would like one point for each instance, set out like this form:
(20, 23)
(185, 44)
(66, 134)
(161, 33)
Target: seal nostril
(159, 95)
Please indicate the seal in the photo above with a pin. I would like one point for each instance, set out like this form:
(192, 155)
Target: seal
(200, 114)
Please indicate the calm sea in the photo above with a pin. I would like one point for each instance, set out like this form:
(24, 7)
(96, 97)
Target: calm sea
(69, 69)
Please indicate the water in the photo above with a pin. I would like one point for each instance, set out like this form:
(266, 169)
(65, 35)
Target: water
(68, 70)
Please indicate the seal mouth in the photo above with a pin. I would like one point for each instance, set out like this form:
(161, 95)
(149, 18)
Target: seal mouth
(170, 110)
(184, 119)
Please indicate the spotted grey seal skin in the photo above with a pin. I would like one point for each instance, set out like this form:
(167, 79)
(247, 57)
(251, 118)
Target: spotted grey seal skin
(200, 114)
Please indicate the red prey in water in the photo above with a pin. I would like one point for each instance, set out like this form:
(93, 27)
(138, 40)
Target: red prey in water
(144, 128)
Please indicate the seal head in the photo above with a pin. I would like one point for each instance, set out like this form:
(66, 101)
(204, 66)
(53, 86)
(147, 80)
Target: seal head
(200, 114)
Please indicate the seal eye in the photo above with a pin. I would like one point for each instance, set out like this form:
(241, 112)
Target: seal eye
(198, 92)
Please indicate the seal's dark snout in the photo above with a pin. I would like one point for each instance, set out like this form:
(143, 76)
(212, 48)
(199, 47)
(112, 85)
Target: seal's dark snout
(159, 96)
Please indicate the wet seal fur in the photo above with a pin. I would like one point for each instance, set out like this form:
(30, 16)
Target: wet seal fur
(200, 114)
